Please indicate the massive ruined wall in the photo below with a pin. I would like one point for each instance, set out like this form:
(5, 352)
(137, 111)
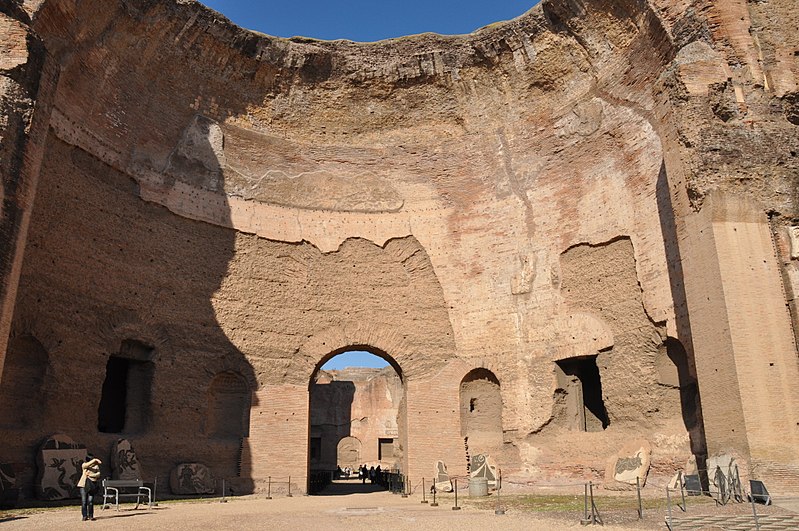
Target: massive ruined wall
(531, 198)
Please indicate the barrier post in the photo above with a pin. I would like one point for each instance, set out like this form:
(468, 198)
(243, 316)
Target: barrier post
(223, 500)
(269, 488)
(155, 492)
(289, 494)
(682, 492)
(424, 500)
(668, 508)
(754, 508)
(456, 508)
(585, 520)
(499, 510)
(640, 505)
(435, 503)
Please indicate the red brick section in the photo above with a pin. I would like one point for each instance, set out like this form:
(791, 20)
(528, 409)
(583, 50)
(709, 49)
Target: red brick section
(278, 442)
(745, 354)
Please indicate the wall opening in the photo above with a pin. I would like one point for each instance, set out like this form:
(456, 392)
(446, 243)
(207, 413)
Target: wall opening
(481, 411)
(22, 389)
(579, 394)
(385, 448)
(125, 400)
(356, 415)
(229, 401)
(349, 453)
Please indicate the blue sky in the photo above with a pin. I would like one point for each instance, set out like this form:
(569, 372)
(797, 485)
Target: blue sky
(355, 358)
(367, 20)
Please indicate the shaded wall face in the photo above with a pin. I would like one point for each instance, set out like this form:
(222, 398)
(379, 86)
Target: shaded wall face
(105, 270)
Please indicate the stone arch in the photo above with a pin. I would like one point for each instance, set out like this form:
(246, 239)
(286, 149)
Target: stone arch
(229, 400)
(348, 452)
(480, 410)
(323, 455)
(373, 338)
(22, 384)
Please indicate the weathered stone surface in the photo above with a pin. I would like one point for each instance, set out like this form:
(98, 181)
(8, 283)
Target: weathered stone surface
(442, 481)
(630, 465)
(124, 462)
(723, 469)
(191, 478)
(482, 466)
(594, 185)
(59, 460)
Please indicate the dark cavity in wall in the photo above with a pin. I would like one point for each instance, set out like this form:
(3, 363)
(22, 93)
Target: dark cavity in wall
(125, 401)
(581, 385)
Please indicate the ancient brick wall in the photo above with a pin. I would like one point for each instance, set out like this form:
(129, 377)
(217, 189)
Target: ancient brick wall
(521, 200)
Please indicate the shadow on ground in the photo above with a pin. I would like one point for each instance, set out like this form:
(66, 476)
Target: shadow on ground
(343, 487)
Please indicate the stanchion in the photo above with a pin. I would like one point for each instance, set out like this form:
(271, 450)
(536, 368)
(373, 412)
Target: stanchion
(289, 494)
(456, 508)
(499, 510)
(595, 518)
(668, 508)
(435, 503)
(682, 492)
(640, 505)
(269, 488)
(754, 508)
(424, 500)
(155, 492)
(585, 520)
(223, 500)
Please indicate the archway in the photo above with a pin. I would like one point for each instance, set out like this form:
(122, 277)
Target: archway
(356, 417)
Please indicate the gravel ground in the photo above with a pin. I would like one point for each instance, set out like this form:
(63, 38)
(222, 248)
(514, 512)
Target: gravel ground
(372, 511)
(352, 506)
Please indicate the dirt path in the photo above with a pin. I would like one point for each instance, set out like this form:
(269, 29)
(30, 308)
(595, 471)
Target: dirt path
(372, 511)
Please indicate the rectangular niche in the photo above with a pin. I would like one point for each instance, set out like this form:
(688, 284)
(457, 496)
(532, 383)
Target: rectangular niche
(125, 400)
(385, 449)
(316, 448)
(583, 408)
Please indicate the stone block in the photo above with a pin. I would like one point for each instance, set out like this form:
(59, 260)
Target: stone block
(191, 478)
(124, 462)
(59, 460)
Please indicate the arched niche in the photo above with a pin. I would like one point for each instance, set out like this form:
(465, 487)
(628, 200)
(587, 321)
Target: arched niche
(348, 452)
(22, 388)
(481, 411)
(229, 400)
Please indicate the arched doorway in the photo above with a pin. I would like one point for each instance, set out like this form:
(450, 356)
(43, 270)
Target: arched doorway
(356, 416)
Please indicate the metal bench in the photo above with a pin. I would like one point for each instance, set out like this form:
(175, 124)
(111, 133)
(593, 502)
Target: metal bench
(114, 489)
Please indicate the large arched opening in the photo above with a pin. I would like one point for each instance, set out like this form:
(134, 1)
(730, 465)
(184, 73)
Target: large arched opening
(357, 418)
